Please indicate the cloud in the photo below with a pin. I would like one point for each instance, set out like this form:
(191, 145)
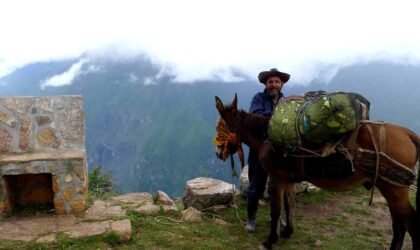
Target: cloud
(67, 77)
(132, 78)
(149, 81)
(202, 40)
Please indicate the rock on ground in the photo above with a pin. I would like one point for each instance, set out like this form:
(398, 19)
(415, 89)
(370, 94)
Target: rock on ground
(134, 198)
(100, 209)
(204, 192)
(140, 202)
(44, 228)
(148, 209)
(191, 214)
(166, 202)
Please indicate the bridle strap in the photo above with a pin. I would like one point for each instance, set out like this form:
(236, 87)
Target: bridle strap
(227, 139)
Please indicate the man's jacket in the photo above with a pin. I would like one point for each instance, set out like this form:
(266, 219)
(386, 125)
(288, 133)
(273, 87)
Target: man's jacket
(262, 103)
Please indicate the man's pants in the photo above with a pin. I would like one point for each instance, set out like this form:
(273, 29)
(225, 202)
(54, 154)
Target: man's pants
(257, 182)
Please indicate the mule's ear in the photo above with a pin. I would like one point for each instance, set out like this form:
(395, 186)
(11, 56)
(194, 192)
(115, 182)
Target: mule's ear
(235, 101)
(219, 105)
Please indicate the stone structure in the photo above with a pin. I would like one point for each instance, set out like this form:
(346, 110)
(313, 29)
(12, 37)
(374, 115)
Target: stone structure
(42, 153)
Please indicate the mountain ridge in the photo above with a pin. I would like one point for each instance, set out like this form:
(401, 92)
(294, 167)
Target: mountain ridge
(155, 134)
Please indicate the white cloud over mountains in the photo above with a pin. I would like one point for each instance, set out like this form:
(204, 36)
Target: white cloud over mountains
(198, 40)
(68, 76)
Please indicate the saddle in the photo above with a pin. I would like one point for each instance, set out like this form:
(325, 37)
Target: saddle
(377, 161)
(339, 160)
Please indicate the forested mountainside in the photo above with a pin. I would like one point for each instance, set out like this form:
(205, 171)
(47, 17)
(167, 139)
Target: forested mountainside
(155, 134)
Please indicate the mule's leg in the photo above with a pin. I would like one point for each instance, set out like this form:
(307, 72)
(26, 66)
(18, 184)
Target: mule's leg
(403, 215)
(417, 232)
(289, 206)
(399, 231)
(278, 187)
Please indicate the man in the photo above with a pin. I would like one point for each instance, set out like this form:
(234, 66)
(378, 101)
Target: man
(263, 103)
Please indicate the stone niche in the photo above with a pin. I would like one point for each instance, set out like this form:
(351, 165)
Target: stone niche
(42, 153)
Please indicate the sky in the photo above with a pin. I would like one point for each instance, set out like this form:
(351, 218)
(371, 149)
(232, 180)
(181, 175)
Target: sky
(199, 40)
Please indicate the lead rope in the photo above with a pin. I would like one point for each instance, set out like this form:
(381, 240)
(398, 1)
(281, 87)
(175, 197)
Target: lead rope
(235, 205)
(173, 221)
(232, 166)
(377, 152)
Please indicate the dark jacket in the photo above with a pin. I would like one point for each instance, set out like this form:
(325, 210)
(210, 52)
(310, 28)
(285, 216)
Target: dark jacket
(262, 103)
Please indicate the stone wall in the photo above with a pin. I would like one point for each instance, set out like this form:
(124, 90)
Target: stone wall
(44, 135)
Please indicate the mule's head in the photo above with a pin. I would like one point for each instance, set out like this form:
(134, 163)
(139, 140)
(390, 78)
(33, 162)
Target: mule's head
(227, 112)
(226, 140)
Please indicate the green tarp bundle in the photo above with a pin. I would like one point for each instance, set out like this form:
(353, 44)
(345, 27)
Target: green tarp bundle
(318, 117)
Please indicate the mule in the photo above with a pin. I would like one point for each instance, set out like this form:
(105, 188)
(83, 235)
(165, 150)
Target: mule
(402, 145)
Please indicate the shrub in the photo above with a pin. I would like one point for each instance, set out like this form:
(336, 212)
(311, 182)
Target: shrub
(100, 183)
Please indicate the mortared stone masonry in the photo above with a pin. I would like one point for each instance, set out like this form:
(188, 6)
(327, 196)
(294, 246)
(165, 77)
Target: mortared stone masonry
(42, 153)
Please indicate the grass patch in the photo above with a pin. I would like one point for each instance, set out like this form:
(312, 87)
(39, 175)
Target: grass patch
(356, 209)
(112, 238)
(315, 197)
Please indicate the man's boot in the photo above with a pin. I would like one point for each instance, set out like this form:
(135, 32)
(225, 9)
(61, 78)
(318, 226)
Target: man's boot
(252, 207)
(250, 225)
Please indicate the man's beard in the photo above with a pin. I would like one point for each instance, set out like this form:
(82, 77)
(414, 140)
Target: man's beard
(274, 94)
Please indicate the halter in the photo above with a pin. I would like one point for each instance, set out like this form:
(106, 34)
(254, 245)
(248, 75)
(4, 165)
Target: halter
(226, 138)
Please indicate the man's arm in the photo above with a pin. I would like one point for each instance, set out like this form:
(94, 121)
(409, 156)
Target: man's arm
(257, 106)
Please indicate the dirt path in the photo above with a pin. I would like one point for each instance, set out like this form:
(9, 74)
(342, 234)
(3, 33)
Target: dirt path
(354, 209)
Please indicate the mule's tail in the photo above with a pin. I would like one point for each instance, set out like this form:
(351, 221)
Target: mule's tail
(416, 139)
(418, 180)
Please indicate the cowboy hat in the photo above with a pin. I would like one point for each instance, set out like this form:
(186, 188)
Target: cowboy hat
(264, 75)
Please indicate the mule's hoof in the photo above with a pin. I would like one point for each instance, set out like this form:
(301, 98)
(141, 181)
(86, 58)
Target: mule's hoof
(273, 238)
(285, 233)
(267, 245)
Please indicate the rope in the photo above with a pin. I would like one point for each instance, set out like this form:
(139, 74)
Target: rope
(316, 154)
(175, 221)
(235, 205)
(299, 139)
(375, 178)
(204, 214)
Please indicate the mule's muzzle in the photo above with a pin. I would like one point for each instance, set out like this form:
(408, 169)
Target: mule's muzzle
(219, 152)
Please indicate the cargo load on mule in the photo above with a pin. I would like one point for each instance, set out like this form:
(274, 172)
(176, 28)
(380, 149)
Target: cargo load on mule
(316, 118)
(326, 125)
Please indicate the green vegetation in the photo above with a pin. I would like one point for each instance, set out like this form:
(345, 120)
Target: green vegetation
(100, 184)
(354, 208)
